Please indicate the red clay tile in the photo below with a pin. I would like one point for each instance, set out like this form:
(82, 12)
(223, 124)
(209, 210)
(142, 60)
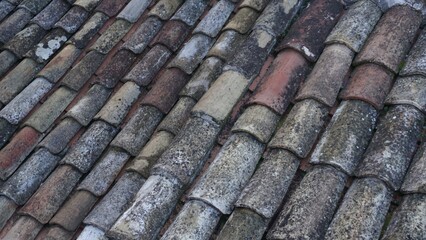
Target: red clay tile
(110, 7)
(165, 91)
(172, 34)
(262, 73)
(308, 33)
(370, 83)
(281, 82)
(14, 153)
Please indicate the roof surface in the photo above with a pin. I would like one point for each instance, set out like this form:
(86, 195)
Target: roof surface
(212, 119)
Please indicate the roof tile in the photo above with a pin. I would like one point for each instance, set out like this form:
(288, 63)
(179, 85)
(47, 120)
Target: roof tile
(138, 130)
(190, 11)
(369, 83)
(172, 35)
(88, 31)
(243, 224)
(415, 180)
(24, 228)
(111, 7)
(267, 187)
(177, 117)
(5, 8)
(32, 172)
(257, 5)
(355, 25)
(416, 62)
(327, 77)
(116, 68)
(140, 223)
(213, 22)
(34, 6)
(25, 40)
(164, 9)
(90, 146)
(115, 202)
(7, 129)
(281, 81)
(301, 128)
(57, 67)
(8, 59)
(111, 36)
(89, 5)
(242, 21)
(409, 90)
(143, 35)
(92, 233)
(83, 70)
(87, 107)
(61, 135)
(14, 153)
(391, 38)
(7, 207)
(48, 46)
(73, 19)
(165, 91)
(393, 145)
(51, 14)
(72, 213)
(50, 196)
(309, 32)
(13, 24)
(148, 67)
(47, 113)
(196, 220)
(315, 199)
(226, 45)
(54, 233)
(134, 10)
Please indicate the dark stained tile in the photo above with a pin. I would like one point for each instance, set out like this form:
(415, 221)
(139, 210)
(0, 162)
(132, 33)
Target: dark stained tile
(133, 10)
(143, 35)
(111, 7)
(172, 34)
(111, 36)
(309, 32)
(213, 22)
(177, 117)
(416, 61)
(25, 40)
(50, 196)
(5, 8)
(242, 21)
(61, 135)
(13, 24)
(73, 19)
(409, 90)
(7, 207)
(116, 68)
(14, 153)
(51, 14)
(415, 181)
(7, 129)
(243, 224)
(89, 5)
(281, 81)
(226, 45)
(89, 30)
(370, 83)
(257, 5)
(24, 228)
(34, 6)
(393, 145)
(164, 9)
(48, 46)
(54, 233)
(8, 59)
(190, 11)
(391, 38)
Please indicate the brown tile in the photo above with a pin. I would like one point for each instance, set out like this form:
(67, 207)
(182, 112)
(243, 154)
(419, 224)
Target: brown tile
(263, 71)
(308, 33)
(165, 91)
(172, 34)
(23, 229)
(141, 35)
(14, 153)
(370, 83)
(281, 82)
(391, 39)
(54, 233)
(111, 7)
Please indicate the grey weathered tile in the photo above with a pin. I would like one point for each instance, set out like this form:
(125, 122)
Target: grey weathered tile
(310, 208)
(44, 117)
(34, 6)
(87, 107)
(243, 224)
(134, 10)
(355, 25)
(393, 145)
(143, 35)
(213, 22)
(13, 24)
(416, 61)
(409, 90)
(5, 8)
(28, 177)
(54, 233)
(17, 79)
(24, 228)
(190, 11)
(148, 67)
(385, 5)
(301, 128)
(116, 68)
(7, 59)
(23, 103)
(138, 130)
(232, 168)
(226, 45)
(26, 39)
(92, 233)
(172, 35)
(90, 146)
(188, 151)
(196, 220)
(362, 212)
(48, 46)
(61, 135)
(242, 21)
(89, 30)
(119, 104)
(257, 120)
(192, 53)
(408, 219)
(219, 100)
(268, 186)
(175, 120)
(391, 38)
(327, 77)
(7, 207)
(415, 179)
(115, 202)
(88, 5)
(158, 143)
(257, 5)
(7, 129)
(73, 19)
(57, 67)
(111, 7)
(111, 36)
(164, 9)
(83, 70)
(51, 14)
(347, 136)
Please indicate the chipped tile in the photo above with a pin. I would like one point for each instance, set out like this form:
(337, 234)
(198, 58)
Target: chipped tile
(87, 107)
(89, 30)
(61, 135)
(355, 25)
(257, 5)
(190, 11)
(416, 61)
(34, 6)
(242, 21)
(88, 5)
(73, 19)
(143, 35)
(226, 45)
(51, 14)
(111, 36)
(13, 24)
(7, 207)
(7, 59)
(116, 68)
(48, 46)
(171, 35)
(23, 229)
(409, 90)
(177, 117)
(111, 7)
(213, 22)
(389, 154)
(7, 129)
(415, 180)
(25, 40)
(164, 9)
(243, 224)
(134, 10)
(47, 113)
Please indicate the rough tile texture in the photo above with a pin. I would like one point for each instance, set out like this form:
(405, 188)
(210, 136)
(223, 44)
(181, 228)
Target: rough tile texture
(409, 90)
(86, 33)
(257, 5)
(8, 59)
(48, 46)
(134, 10)
(13, 24)
(59, 137)
(51, 14)
(7, 129)
(172, 35)
(213, 22)
(25, 40)
(89, 5)
(73, 19)
(415, 181)
(143, 35)
(175, 120)
(243, 224)
(111, 7)
(24, 228)
(111, 36)
(416, 62)
(226, 45)
(8, 207)
(164, 9)
(242, 21)
(190, 11)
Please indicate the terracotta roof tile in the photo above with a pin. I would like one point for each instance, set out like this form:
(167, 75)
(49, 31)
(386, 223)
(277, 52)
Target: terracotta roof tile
(111, 7)
(242, 21)
(13, 24)
(415, 181)
(172, 34)
(88, 30)
(164, 9)
(73, 19)
(416, 62)
(24, 228)
(89, 5)
(54, 233)
(140, 39)
(25, 40)
(57, 140)
(226, 45)
(51, 14)
(243, 224)
(116, 68)
(213, 22)
(190, 11)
